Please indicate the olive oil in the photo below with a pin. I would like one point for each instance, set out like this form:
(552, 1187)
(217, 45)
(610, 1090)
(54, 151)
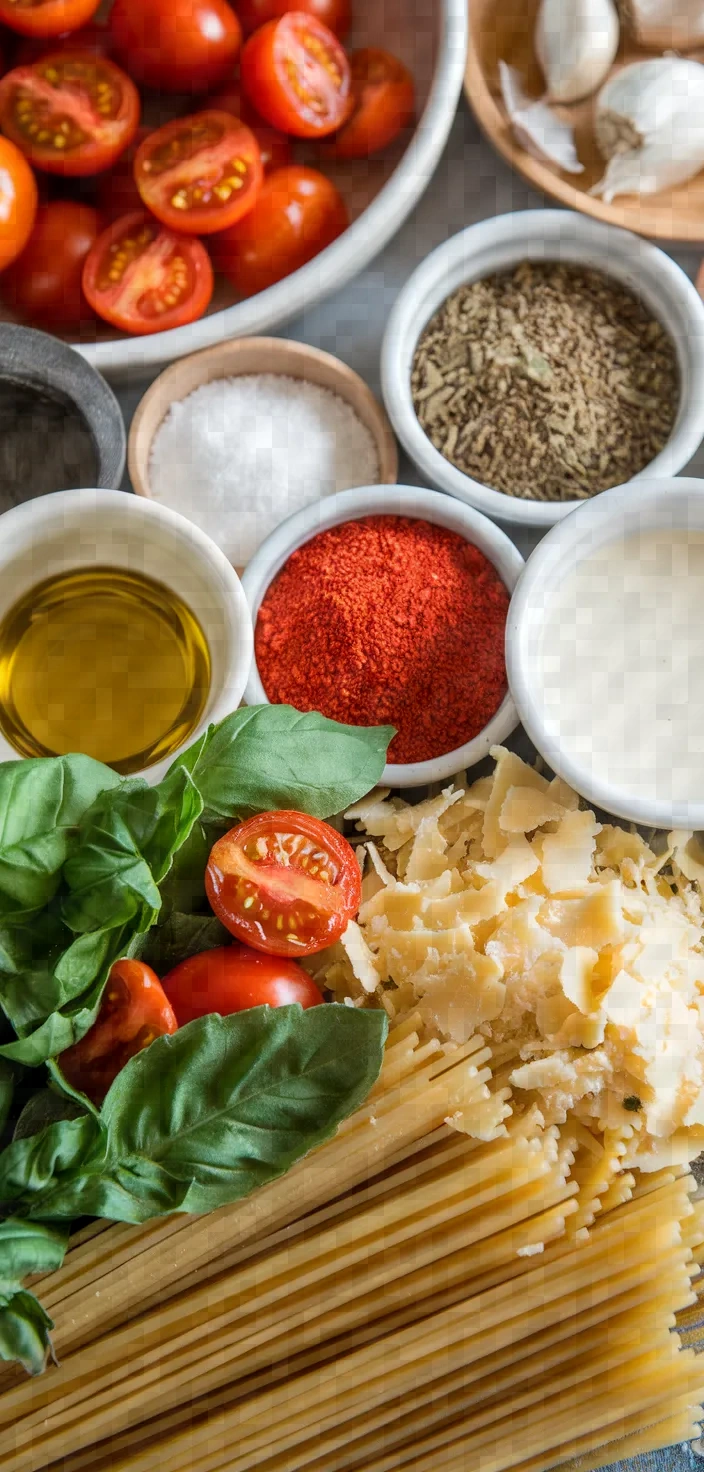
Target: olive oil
(103, 661)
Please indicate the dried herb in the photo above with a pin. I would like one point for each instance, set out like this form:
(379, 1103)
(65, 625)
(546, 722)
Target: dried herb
(549, 382)
(633, 1104)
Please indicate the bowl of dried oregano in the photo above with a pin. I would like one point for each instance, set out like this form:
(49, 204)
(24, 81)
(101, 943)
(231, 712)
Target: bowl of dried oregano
(539, 358)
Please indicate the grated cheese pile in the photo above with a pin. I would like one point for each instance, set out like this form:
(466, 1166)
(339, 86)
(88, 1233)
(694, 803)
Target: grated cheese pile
(574, 947)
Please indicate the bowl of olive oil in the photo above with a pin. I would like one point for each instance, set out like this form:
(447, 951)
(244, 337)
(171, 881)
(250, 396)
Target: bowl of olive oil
(136, 636)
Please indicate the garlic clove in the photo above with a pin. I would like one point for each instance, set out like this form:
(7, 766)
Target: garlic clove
(536, 127)
(576, 42)
(649, 126)
(665, 25)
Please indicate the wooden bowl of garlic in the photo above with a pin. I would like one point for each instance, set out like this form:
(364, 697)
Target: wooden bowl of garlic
(554, 87)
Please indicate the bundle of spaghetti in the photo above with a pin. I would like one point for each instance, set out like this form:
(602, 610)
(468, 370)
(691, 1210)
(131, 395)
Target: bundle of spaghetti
(109, 1277)
(459, 1213)
(584, 1354)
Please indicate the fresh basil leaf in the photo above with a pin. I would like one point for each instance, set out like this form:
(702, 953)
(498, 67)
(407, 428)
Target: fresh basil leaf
(29, 1247)
(272, 756)
(45, 1107)
(7, 1090)
(181, 936)
(24, 1329)
(183, 889)
(39, 1168)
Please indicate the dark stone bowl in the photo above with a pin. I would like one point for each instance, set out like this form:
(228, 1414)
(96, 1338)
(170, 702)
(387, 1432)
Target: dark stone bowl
(38, 372)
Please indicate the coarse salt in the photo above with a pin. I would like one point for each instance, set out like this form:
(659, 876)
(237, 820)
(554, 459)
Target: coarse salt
(239, 455)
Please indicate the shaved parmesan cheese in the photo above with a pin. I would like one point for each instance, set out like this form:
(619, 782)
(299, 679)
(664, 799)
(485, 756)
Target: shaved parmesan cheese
(526, 808)
(594, 921)
(576, 976)
(427, 857)
(515, 864)
(510, 772)
(459, 995)
(360, 957)
(568, 854)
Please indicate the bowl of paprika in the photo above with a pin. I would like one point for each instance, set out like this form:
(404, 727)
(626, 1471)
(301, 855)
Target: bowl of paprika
(387, 605)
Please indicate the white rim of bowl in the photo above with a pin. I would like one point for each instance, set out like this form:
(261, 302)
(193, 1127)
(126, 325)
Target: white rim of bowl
(526, 605)
(377, 500)
(562, 235)
(341, 261)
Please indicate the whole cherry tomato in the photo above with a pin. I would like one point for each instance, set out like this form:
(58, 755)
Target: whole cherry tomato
(94, 38)
(18, 202)
(298, 213)
(176, 45)
(384, 99)
(134, 1011)
(201, 173)
(143, 278)
(70, 113)
(46, 17)
(336, 14)
(44, 284)
(233, 978)
(274, 147)
(296, 74)
(285, 883)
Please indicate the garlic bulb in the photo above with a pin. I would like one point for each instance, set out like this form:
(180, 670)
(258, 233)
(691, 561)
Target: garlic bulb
(576, 42)
(665, 25)
(536, 126)
(649, 124)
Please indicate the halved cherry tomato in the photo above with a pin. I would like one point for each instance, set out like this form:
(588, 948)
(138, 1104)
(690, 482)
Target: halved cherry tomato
(18, 202)
(176, 45)
(199, 174)
(143, 278)
(384, 98)
(44, 284)
(134, 1011)
(274, 147)
(117, 187)
(284, 882)
(336, 14)
(298, 213)
(70, 113)
(46, 17)
(232, 978)
(297, 75)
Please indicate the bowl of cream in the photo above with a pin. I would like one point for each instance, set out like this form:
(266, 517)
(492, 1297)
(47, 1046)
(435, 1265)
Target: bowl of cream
(605, 651)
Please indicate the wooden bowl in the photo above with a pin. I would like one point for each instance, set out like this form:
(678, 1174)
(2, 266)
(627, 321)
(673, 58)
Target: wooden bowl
(503, 30)
(256, 355)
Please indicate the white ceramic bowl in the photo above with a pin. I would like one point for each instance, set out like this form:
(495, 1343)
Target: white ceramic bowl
(83, 528)
(542, 235)
(676, 504)
(391, 501)
(380, 192)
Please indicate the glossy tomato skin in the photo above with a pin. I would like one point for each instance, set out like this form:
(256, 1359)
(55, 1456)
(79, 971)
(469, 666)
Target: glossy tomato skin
(94, 38)
(45, 283)
(143, 278)
(176, 45)
(199, 174)
(18, 202)
(134, 1011)
(48, 17)
(298, 213)
(70, 113)
(384, 101)
(274, 147)
(297, 76)
(232, 978)
(335, 14)
(283, 882)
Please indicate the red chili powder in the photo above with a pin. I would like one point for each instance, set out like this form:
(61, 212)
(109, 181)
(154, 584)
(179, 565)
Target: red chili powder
(388, 621)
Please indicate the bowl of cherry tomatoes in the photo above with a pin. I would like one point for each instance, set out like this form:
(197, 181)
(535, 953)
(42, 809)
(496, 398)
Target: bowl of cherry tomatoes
(178, 172)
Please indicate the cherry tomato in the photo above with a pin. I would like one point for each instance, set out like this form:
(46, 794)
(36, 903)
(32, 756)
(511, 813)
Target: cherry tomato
(44, 284)
(70, 113)
(274, 147)
(18, 202)
(94, 38)
(384, 98)
(299, 212)
(176, 45)
(143, 278)
(336, 14)
(232, 978)
(284, 882)
(134, 1011)
(297, 75)
(46, 17)
(200, 173)
(117, 187)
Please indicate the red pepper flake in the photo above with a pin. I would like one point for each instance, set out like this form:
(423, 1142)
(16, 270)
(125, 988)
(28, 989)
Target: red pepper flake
(388, 621)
